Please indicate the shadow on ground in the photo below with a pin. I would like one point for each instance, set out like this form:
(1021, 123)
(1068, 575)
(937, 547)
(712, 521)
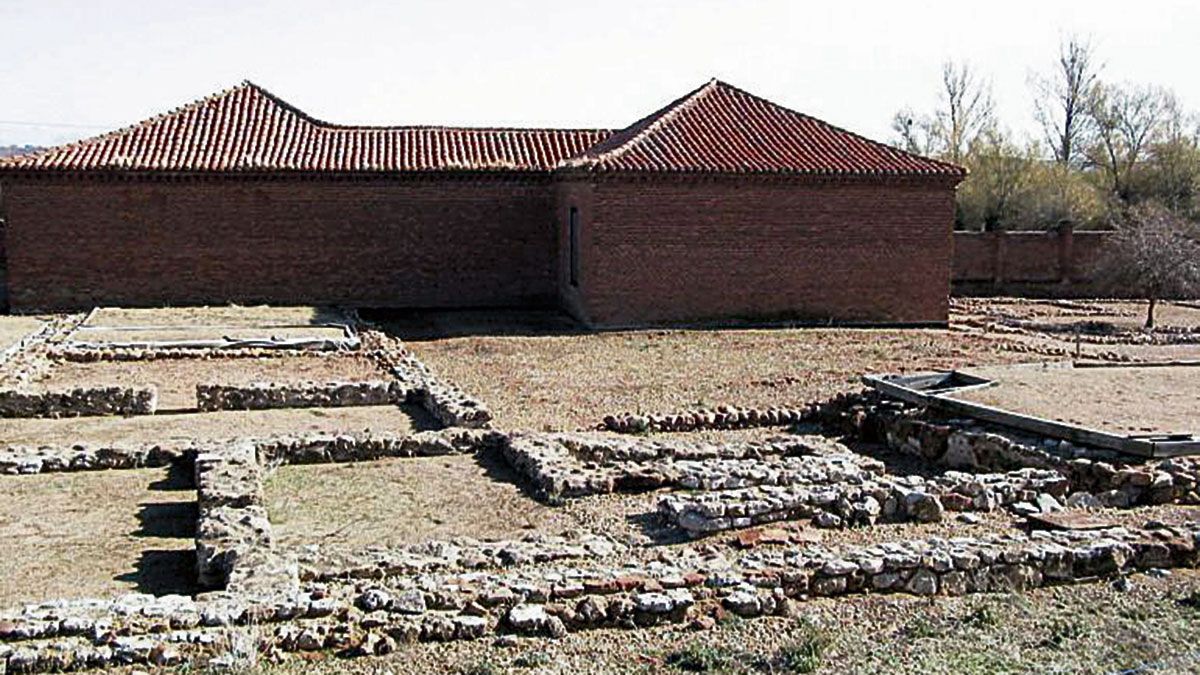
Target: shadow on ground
(166, 571)
(178, 476)
(420, 325)
(163, 572)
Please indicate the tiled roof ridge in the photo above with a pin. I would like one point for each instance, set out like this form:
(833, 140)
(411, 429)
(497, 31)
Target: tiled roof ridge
(835, 127)
(648, 125)
(609, 153)
(291, 108)
(140, 124)
(715, 128)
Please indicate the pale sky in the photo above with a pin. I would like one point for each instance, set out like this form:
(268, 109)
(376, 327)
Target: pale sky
(74, 69)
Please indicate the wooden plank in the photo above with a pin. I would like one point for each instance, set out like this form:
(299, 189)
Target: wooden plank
(1139, 364)
(1042, 426)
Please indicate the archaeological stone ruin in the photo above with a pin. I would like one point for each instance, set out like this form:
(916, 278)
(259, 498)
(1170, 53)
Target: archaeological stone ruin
(721, 516)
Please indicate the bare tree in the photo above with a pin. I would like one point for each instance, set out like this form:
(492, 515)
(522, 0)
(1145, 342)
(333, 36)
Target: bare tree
(1127, 120)
(912, 132)
(965, 110)
(1155, 254)
(1061, 99)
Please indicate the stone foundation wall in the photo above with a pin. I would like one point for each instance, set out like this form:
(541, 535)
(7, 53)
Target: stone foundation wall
(1115, 479)
(450, 405)
(328, 448)
(858, 500)
(723, 417)
(271, 451)
(458, 601)
(79, 402)
(566, 466)
(267, 395)
(233, 520)
(30, 357)
(80, 457)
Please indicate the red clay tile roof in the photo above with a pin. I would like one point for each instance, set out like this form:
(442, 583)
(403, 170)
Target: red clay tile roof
(719, 128)
(247, 129)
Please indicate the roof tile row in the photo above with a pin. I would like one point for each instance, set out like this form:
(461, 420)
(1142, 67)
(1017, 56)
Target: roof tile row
(717, 128)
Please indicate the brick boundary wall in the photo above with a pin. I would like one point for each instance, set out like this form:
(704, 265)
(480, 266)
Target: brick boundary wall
(1036, 263)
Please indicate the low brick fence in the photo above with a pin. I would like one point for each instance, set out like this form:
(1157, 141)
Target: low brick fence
(1053, 263)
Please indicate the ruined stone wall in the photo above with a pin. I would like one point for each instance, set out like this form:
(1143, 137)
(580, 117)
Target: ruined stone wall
(449, 404)
(267, 395)
(79, 402)
(1113, 479)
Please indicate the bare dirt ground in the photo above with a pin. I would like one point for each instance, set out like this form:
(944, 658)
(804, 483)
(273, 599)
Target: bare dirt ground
(13, 328)
(538, 380)
(1122, 400)
(168, 428)
(176, 380)
(1104, 325)
(230, 315)
(95, 534)
(403, 501)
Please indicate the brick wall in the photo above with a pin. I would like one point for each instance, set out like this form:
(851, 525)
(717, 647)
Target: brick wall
(423, 243)
(666, 250)
(1059, 263)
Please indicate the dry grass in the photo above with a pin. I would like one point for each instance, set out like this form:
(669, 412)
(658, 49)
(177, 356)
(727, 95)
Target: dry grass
(230, 315)
(565, 381)
(397, 501)
(1124, 400)
(176, 380)
(181, 428)
(13, 328)
(95, 535)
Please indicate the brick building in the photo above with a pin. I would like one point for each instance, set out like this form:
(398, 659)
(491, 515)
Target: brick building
(720, 206)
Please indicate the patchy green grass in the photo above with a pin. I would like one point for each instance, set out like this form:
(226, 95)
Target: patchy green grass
(702, 657)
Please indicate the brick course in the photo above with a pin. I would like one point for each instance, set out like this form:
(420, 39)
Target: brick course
(1034, 263)
(790, 249)
(653, 250)
(421, 243)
